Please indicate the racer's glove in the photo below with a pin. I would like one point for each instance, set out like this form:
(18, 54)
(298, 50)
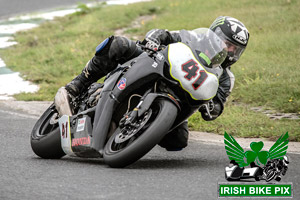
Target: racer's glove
(212, 109)
(151, 43)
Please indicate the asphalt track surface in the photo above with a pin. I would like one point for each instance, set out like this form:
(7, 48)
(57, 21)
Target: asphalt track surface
(9, 8)
(193, 173)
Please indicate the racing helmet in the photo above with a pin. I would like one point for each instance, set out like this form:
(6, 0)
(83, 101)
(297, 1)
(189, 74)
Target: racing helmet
(235, 35)
(285, 160)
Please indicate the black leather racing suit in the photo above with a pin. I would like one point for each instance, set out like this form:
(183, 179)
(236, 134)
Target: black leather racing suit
(117, 50)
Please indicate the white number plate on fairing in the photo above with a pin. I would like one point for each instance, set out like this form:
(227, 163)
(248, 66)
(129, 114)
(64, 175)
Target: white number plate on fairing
(65, 135)
(188, 71)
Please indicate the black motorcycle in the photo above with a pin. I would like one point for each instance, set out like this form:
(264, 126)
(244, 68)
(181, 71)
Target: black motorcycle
(138, 104)
(275, 169)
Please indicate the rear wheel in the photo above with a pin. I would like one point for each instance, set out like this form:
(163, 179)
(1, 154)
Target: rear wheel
(45, 136)
(128, 144)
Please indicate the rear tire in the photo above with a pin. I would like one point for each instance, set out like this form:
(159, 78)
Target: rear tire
(162, 118)
(45, 136)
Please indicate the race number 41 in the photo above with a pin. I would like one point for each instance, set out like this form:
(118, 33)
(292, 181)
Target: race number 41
(191, 69)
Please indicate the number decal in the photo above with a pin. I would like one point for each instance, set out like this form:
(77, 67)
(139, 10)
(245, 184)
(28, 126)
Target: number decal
(64, 130)
(199, 83)
(191, 68)
(200, 80)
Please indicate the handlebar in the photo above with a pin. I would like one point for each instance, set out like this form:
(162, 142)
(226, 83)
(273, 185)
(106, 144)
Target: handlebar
(149, 50)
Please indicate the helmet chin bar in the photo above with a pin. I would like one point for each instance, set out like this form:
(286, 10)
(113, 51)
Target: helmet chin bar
(231, 57)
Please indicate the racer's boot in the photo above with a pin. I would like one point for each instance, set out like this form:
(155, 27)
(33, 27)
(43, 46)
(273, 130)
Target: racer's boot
(62, 102)
(100, 65)
(64, 95)
(89, 75)
(95, 69)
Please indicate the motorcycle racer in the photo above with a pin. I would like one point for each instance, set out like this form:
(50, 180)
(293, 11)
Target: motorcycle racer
(117, 50)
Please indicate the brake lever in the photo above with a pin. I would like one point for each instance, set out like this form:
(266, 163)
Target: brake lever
(207, 110)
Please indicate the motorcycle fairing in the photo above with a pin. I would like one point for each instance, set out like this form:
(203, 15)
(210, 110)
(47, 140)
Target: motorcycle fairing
(75, 138)
(143, 71)
(103, 116)
(104, 110)
(189, 72)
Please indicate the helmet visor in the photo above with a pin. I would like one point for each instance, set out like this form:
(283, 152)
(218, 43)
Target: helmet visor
(234, 49)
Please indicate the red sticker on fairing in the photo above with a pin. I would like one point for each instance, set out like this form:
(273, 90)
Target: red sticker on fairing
(81, 141)
(122, 83)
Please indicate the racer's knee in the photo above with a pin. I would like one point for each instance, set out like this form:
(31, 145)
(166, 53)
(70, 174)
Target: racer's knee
(101, 62)
(104, 46)
(113, 51)
(177, 139)
(122, 49)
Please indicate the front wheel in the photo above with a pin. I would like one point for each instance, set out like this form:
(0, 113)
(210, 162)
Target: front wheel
(127, 145)
(270, 175)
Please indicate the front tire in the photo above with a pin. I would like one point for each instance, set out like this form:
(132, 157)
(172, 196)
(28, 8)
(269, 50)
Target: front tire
(45, 136)
(163, 114)
(270, 176)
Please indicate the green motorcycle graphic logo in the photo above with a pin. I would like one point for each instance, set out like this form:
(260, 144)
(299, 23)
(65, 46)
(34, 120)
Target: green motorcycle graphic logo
(264, 165)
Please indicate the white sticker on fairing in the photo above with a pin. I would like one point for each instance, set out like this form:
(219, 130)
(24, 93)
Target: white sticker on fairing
(81, 124)
(187, 70)
(65, 135)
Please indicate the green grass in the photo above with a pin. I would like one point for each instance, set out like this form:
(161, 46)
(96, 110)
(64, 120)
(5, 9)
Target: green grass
(267, 74)
(243, 122)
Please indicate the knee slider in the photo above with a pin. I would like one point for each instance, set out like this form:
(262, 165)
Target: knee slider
(122, 49)
(104, 45)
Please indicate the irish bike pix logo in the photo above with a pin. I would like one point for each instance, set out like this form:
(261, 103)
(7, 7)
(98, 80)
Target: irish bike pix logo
(255, 165)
